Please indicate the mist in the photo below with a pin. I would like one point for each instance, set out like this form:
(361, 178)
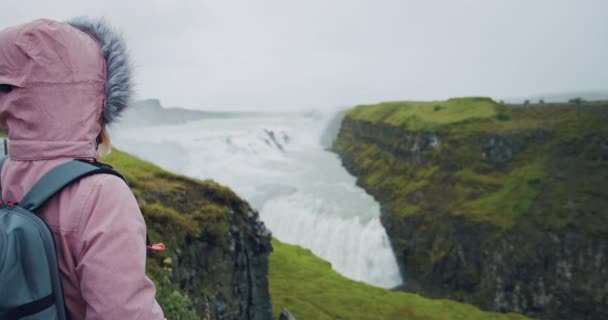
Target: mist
(287, 55)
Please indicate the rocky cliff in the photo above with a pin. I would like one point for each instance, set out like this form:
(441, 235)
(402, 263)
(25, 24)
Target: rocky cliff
(501, 206)
(216, 262)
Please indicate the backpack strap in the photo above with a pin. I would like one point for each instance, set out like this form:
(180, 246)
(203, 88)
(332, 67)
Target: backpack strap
(2, 160)
(60, 177)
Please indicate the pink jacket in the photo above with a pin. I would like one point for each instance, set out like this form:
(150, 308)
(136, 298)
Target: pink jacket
(52, 116)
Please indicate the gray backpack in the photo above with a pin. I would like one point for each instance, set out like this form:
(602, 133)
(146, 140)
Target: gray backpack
(30, 284)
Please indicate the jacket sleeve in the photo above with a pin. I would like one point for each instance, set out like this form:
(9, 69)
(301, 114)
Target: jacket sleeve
(112, 257)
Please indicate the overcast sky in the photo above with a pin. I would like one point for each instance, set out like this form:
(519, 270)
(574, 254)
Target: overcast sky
(283, 54)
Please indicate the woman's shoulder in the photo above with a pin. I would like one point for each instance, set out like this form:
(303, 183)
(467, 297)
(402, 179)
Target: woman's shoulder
(106, 187)
(106, 181)
(73, 207)
(109, 201)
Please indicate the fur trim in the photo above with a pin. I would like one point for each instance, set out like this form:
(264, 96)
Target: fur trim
(119, 89)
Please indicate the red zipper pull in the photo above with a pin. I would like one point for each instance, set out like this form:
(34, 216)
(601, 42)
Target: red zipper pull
(157, 247)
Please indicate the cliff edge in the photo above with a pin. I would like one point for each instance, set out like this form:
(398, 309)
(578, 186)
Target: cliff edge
(216, 262)
(503, 206)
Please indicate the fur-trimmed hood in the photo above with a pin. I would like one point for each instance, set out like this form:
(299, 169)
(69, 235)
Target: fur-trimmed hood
(69, 80)
(119, 88)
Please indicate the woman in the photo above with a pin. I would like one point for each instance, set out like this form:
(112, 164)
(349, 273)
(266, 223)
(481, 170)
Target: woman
(60, 86)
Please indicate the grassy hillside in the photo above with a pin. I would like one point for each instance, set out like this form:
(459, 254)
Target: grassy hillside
(501, 205)
(310, 289)
(425, 115)
(497, 188)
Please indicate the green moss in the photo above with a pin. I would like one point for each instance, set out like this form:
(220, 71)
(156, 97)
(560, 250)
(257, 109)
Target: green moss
(459, 177)
(513, 193)
(310, 289)
(387, 174)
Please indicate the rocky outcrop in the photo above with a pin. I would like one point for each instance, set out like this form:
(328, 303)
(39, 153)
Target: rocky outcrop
(216, 262)
(510, 215)
(227, 282)
(411, 147)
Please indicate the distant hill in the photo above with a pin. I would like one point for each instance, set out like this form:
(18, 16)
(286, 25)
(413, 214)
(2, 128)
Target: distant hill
(150, 112)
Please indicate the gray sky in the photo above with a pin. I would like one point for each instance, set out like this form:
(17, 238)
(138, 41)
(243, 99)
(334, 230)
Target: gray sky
(283, 54)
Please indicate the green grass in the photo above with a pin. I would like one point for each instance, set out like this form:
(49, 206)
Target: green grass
(310, 289)
(455, 178)
(514, 192)
(426, 115)
(203, 206)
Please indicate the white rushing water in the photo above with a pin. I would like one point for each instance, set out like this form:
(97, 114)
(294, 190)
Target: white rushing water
(279, 165)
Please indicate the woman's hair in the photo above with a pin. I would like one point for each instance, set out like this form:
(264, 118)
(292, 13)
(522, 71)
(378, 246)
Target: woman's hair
(105, 146)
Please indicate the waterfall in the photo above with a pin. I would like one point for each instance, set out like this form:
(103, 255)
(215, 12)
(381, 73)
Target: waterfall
(281, 165)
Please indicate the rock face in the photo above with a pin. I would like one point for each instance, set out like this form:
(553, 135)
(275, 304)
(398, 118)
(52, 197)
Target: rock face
(216, 262)
(507, 212)
(228, 282)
